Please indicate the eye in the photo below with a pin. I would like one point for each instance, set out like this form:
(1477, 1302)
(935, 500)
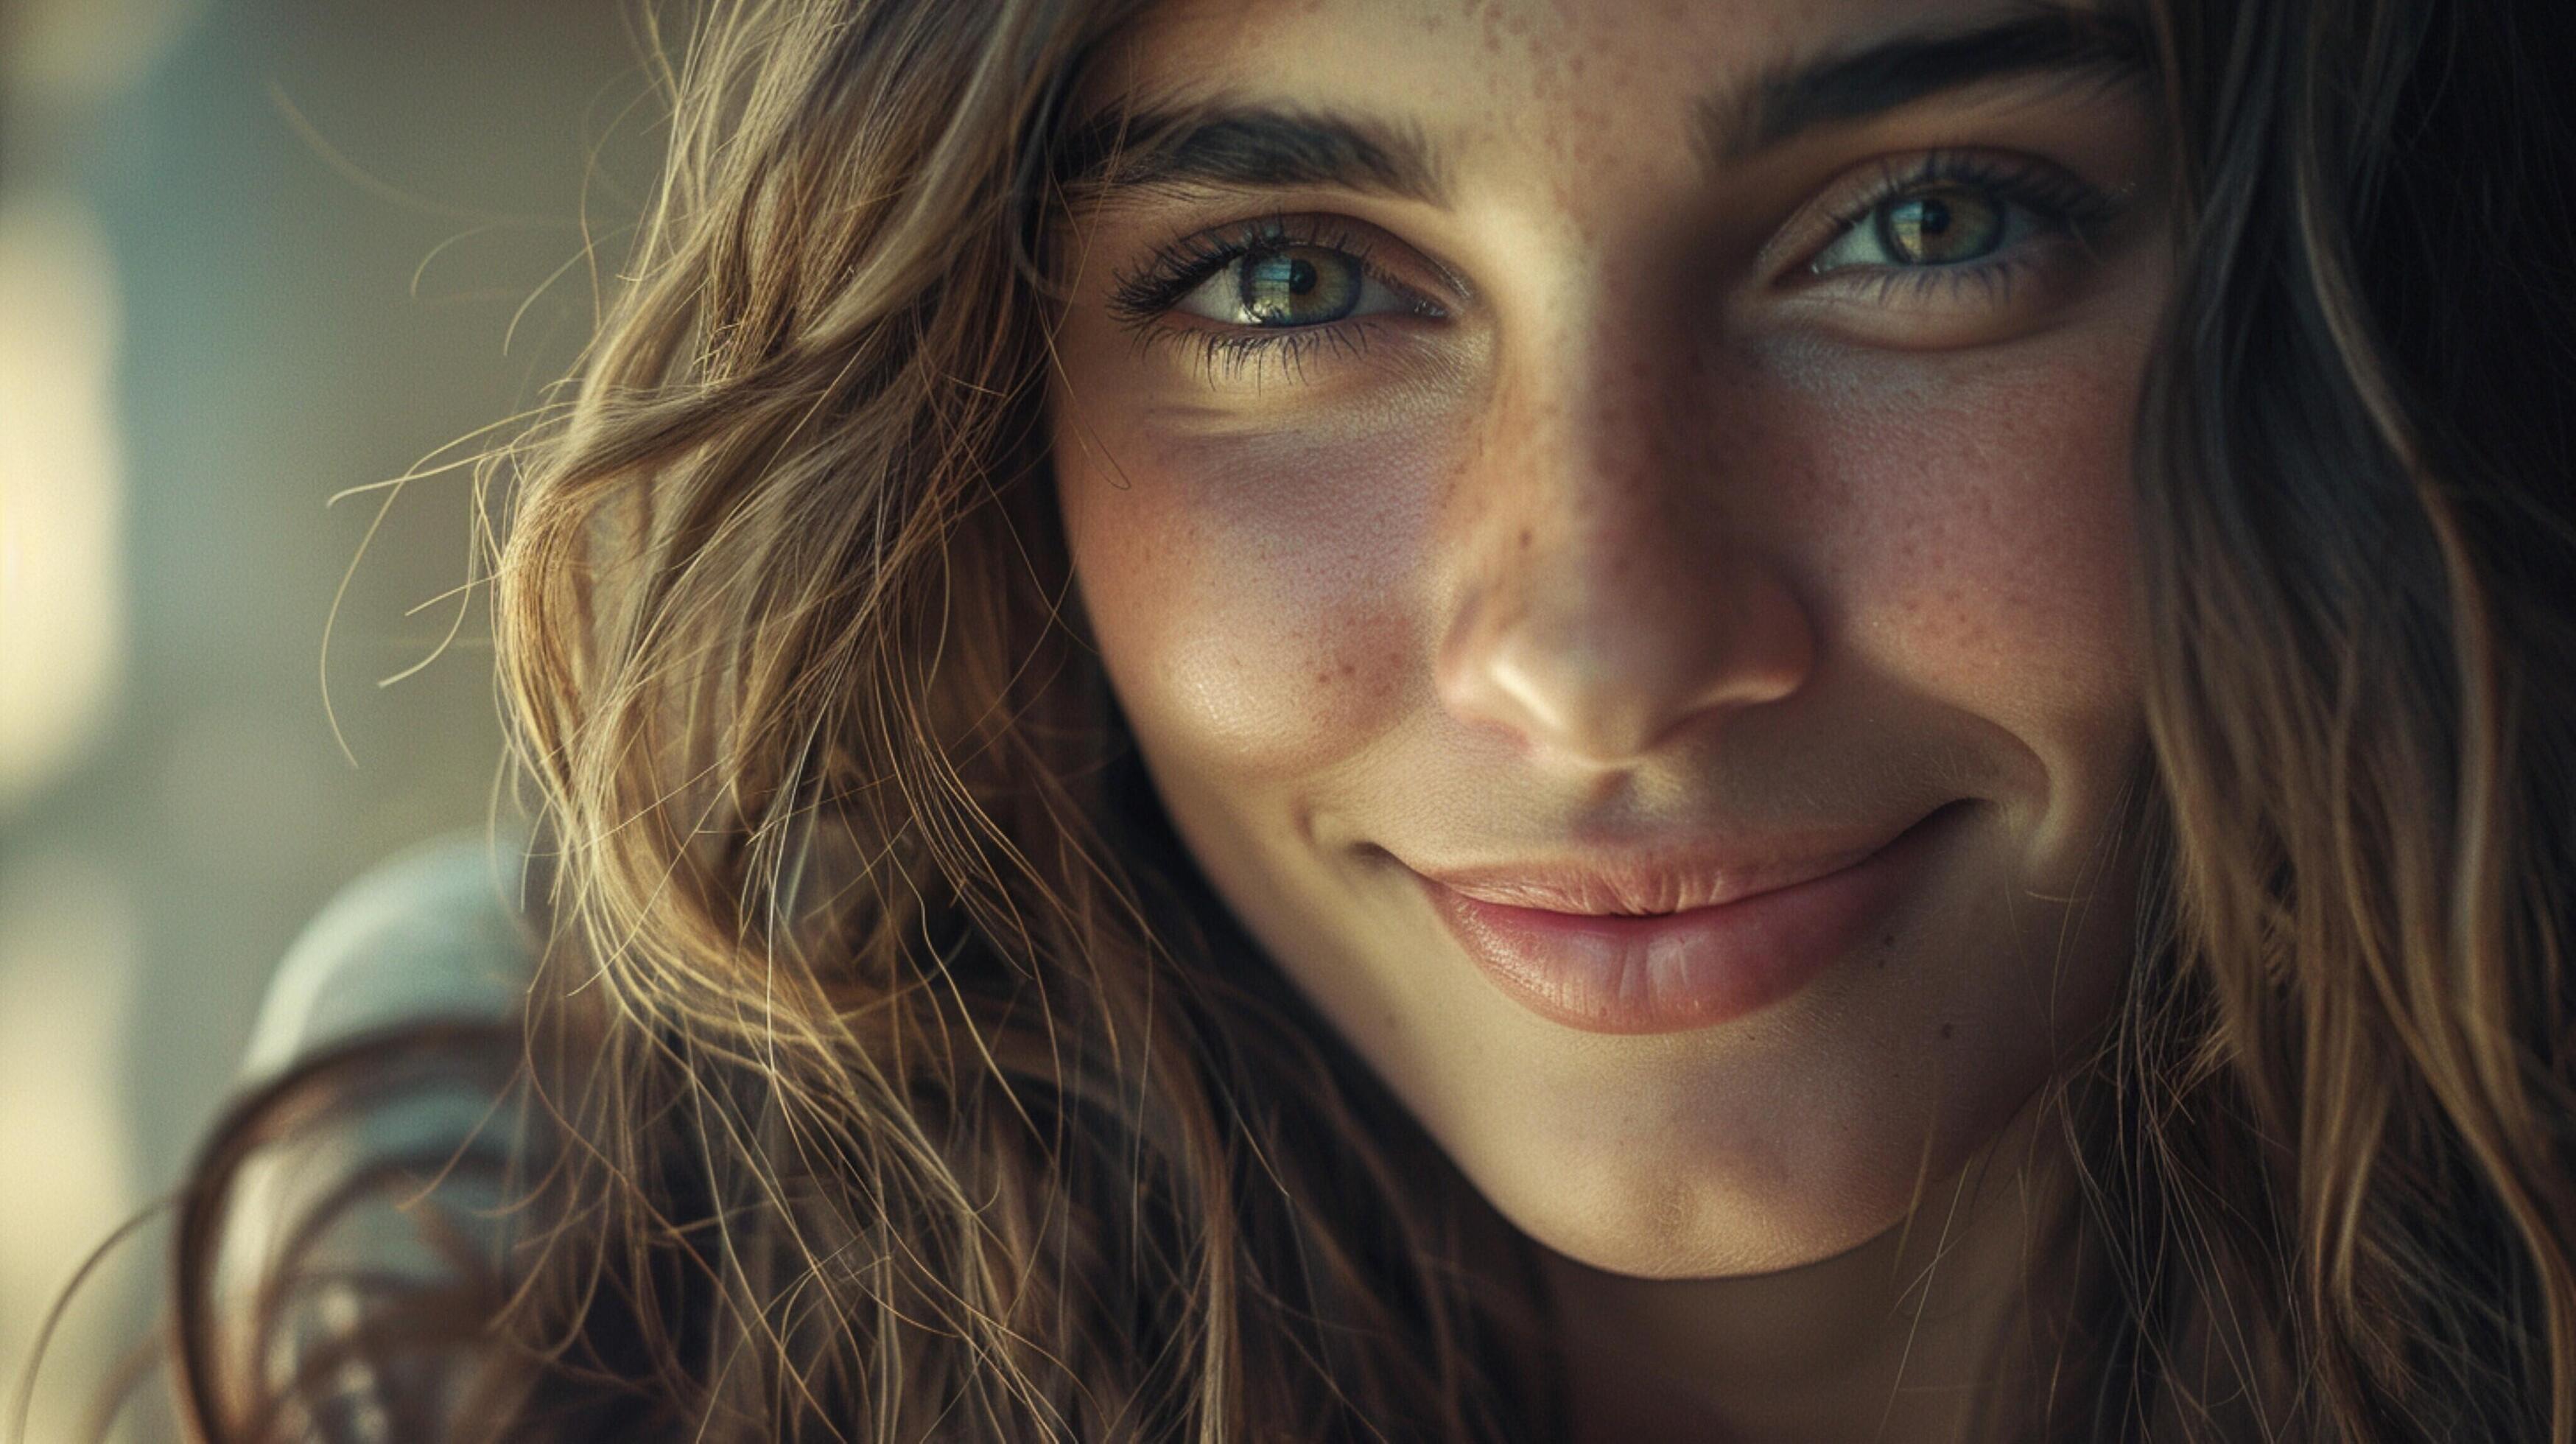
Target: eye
(1283, 286)
(1956, 214)
(1269, 275)
(1268, 296)
(1945, 225)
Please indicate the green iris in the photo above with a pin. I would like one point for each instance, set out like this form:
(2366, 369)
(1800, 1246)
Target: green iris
(1299, 286)
(1940, 227)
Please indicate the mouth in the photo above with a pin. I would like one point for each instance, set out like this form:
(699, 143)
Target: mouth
(1574, 945)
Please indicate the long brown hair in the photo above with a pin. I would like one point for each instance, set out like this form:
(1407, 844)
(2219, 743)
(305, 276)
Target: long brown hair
(2356, 1090)
(894, 1075)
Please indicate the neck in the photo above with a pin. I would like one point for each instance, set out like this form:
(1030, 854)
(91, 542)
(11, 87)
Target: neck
(1902, 1340)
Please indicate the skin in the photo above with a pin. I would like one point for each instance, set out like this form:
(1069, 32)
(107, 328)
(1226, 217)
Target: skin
(1652, 532)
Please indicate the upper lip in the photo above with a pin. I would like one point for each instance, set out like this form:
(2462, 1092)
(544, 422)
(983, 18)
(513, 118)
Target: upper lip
(1638, 882)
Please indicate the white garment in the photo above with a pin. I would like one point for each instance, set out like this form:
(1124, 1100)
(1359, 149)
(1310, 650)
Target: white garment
(435, 934)
(440, 931)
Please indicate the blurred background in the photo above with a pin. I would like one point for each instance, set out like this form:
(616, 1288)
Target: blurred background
(253, 254)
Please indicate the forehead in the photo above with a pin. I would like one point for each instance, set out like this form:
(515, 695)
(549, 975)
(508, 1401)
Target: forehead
(1596, 81)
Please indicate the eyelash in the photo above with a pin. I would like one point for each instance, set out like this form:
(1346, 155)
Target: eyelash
(1141, 298)
(2061, 205)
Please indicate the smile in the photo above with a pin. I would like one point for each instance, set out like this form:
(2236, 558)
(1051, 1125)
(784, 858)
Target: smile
(1569, 946)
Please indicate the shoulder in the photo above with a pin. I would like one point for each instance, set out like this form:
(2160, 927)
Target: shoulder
(443, 931)
(349, 1211)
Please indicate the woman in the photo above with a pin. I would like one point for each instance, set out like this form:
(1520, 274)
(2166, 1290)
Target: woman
(1749, 721)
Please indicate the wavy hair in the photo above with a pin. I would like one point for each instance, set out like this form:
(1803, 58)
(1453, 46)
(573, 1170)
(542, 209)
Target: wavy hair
(893, 1074)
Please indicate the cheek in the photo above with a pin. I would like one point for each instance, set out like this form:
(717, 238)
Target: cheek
(1978, 529)
(1250, 594)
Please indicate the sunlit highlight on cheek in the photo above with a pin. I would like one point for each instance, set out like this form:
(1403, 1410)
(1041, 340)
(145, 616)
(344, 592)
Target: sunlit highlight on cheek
(1251, 591)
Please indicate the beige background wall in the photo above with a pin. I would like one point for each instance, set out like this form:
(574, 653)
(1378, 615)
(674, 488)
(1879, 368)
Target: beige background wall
(251, 254)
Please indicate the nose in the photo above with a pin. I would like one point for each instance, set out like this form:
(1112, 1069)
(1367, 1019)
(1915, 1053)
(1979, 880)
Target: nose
(1606, 607)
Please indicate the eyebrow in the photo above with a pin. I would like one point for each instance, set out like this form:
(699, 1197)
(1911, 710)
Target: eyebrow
(1254, 147)
(1251, 148)
(1792, 97)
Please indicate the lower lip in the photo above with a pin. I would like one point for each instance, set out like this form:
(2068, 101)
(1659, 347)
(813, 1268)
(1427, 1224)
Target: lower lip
(1693, 969)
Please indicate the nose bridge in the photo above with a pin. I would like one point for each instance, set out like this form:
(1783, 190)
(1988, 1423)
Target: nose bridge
(1604, 510)
(1611, 595)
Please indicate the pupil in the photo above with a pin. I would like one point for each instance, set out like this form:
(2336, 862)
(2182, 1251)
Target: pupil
(1931, 229)
(1300, 287)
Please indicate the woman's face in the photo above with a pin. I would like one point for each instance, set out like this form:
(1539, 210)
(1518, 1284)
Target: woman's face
(1609, 521)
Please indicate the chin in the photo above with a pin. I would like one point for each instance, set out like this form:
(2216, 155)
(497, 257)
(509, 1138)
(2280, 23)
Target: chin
(1686, 1224)
(1680, 1169)
(1736, 1250)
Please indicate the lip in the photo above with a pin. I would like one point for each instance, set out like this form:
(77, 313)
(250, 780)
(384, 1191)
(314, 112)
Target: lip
(1573, 945)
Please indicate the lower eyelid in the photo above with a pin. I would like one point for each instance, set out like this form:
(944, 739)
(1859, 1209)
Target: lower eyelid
(1926, 309)
(1235, 350)
(1993, 278)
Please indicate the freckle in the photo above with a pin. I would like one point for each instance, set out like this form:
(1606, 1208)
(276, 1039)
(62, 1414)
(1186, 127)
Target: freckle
(1321, 677)
(1525, 538)
(1348, 669)
(1945, 1030)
